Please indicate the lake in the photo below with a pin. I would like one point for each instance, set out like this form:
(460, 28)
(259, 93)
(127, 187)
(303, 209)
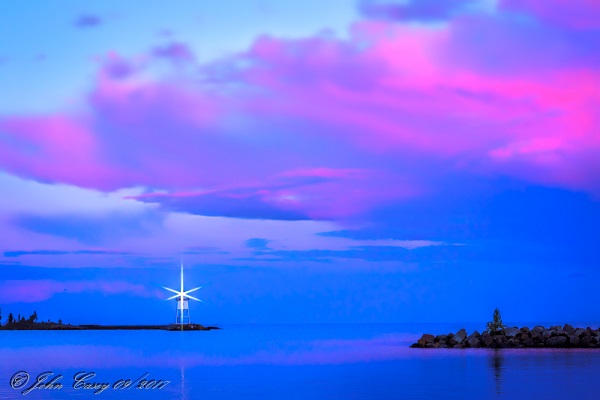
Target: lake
(327, 361)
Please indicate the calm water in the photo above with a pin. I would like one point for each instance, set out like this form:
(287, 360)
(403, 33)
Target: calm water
(354, 361)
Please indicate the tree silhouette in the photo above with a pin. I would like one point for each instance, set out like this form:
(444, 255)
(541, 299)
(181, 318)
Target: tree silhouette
(33, 317)
(496, 325)
(11, 319)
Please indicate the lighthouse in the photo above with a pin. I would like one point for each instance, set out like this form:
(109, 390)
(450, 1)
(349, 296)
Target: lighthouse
(182, 296)
(183, 310)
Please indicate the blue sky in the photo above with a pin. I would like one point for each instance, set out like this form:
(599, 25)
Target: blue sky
(354, 161)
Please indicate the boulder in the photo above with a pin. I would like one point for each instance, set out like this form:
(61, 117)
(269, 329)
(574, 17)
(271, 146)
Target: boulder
(557, 341)
(580, 332)
(525, 335)
(425, 339)
(460, 335)
(539, 329)
(512, 332)
(486, 339)
(574, 340)
(538, 337)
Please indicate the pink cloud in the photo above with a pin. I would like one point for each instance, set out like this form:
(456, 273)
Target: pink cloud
(54, 148)
(326, 128)
(293, 195)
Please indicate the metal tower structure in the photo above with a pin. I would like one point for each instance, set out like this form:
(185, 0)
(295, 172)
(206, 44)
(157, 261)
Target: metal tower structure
(183, 297)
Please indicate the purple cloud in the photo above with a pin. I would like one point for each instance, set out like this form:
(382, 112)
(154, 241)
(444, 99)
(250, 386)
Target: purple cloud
(32, 291)
(576, 14)
(91, 230)
(425, 10)
(19, 253)
(87, 21)
(175, 51)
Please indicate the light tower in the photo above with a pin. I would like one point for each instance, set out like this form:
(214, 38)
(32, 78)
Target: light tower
(183, 311)
(182, 296)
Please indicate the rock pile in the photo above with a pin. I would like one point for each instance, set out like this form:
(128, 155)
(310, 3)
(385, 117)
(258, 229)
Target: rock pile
(555, 336)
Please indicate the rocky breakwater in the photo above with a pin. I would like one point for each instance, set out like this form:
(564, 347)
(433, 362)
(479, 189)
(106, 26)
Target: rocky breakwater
(538, 337)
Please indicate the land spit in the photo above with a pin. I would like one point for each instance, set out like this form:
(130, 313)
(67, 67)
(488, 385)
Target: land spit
(44, 326)
(538, 337)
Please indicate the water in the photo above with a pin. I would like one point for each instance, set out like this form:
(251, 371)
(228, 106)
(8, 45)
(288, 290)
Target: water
(347, 361)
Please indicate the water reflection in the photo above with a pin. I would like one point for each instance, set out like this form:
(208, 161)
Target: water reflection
(299, 362)
(496, 361)
(183, 394)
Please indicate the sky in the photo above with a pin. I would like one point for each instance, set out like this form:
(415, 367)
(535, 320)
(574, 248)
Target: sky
(309, 162)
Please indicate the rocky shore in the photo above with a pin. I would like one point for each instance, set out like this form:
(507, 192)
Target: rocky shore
(538, 337)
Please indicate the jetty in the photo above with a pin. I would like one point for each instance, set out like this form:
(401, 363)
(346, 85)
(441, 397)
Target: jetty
(565, 336)
(51, 326)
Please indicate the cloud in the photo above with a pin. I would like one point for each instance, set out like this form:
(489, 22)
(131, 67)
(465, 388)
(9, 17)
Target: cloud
(88, 229)
(368, 250)
(324, 128)
(19, 253)
(33, 291)
(175, 51)
(423, 10)
(299, 194)
(258, 244)
(234, 204)
(87, 21)
(116, 67)
(577, 14)
(200, 250)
